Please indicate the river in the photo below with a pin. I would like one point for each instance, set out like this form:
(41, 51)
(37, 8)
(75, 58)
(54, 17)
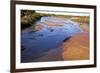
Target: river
(35, 44)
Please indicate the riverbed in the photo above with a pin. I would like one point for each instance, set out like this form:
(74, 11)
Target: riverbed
(38, 43)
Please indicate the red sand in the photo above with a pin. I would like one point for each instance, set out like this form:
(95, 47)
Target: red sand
(77, 48)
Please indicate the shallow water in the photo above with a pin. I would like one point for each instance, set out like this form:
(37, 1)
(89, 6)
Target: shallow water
(37, 43)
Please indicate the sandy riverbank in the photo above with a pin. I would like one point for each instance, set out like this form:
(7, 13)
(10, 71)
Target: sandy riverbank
(76, 48)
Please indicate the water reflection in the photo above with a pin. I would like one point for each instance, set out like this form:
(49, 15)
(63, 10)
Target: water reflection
(35, 44)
